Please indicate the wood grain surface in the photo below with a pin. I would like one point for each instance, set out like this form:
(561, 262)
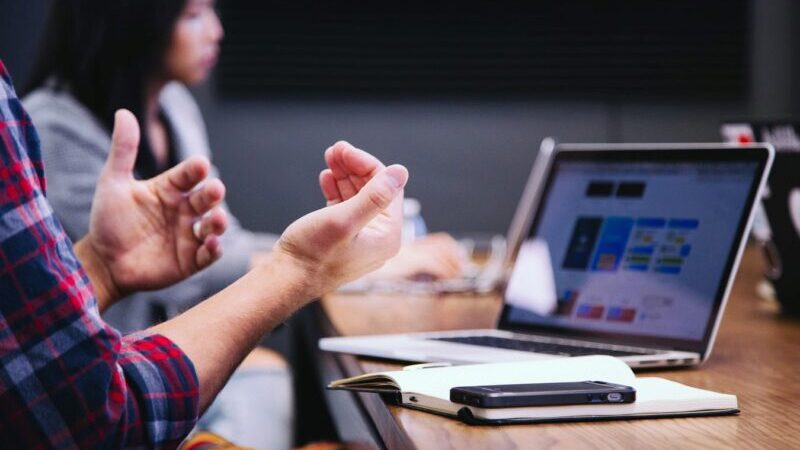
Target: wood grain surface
(756, 357)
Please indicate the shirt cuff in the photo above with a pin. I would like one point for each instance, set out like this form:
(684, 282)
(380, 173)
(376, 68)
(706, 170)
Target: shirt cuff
(166, 402)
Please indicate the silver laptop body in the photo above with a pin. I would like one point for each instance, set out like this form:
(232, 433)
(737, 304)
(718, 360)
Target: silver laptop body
(640, 244)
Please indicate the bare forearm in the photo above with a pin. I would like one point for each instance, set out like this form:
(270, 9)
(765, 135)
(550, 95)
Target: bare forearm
(218, 333)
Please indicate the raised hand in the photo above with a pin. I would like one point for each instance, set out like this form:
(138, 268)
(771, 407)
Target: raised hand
(438, 255)
(355, 234)
(349, 169)
(358, 230)
(149, 234)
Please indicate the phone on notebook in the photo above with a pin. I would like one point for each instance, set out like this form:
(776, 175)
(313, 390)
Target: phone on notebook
(542, 394)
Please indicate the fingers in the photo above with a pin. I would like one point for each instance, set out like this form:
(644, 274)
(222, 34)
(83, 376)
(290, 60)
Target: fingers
(329, 189)
(344, 184)
(213, 223)
(208, 252)
(186, 175)
(357, 161)
(124, 144)
(207, 196)
(351, 168)
(208, 230)
(375, 197)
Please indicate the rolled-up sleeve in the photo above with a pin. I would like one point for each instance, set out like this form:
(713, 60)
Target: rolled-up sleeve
(162, 403)
(68, 379)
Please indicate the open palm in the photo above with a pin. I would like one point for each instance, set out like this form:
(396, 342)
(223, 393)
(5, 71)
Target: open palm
(145, 231)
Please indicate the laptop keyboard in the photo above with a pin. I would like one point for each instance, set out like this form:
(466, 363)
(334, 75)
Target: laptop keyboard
(537, 347)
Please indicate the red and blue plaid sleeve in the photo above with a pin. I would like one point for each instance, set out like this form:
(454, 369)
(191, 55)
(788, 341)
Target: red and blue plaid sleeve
(67, 379)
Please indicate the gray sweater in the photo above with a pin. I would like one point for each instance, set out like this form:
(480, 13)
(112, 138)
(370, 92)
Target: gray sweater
(74, 147)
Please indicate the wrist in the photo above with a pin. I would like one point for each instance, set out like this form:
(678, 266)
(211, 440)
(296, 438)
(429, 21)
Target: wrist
(301, 277)
(106, 290)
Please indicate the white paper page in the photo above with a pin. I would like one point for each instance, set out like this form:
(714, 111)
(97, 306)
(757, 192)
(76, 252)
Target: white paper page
(662, 395)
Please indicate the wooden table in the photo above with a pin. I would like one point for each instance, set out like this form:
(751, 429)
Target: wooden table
(756, 357)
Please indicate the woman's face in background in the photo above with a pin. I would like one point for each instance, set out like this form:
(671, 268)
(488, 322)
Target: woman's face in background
(194, 45)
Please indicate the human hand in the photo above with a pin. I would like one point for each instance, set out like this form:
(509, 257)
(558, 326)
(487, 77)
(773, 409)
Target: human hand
(142, 233)
(260, 258)
(358, 230)
(437, 256)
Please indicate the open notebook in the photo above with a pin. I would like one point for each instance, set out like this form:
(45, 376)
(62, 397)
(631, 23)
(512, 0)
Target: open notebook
(428, 389)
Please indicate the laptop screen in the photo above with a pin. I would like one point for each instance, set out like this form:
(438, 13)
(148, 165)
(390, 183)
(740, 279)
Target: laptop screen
(634, 244)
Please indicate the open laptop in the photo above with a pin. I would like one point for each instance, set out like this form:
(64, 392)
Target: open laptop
(643, 242)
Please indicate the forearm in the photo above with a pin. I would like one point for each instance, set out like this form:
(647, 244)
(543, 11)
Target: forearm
(218, 333)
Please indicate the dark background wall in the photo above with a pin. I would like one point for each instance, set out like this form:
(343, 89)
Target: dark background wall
(468, 154)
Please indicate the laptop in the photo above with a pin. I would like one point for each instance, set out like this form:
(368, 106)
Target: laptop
(642, 243)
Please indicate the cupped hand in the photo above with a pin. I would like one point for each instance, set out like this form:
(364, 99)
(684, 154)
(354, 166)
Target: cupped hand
(358, 230)
(437, 255)
(150, 234)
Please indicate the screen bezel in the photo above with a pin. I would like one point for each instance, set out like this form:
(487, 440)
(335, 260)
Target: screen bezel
(666, 153)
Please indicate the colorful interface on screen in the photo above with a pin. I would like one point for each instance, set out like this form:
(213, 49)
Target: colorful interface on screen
(636, 248)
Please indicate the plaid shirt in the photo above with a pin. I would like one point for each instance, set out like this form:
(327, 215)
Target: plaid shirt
(68, 380)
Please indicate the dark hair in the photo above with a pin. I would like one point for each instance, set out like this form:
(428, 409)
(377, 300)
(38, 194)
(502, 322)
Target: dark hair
(105, 52)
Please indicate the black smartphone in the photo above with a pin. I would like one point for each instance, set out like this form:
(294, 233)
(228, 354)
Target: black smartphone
(542, 394)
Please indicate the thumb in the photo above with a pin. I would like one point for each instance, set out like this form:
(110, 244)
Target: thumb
(376, 196)
(124, 143)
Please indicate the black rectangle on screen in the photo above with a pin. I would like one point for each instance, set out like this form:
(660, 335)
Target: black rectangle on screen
(631, 189)
(600, 189)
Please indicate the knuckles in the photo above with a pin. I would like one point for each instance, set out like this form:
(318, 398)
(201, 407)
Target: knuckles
(380, 195)
(341, 144)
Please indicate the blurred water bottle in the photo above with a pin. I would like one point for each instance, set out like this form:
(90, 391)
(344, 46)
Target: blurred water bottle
(413, 223)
